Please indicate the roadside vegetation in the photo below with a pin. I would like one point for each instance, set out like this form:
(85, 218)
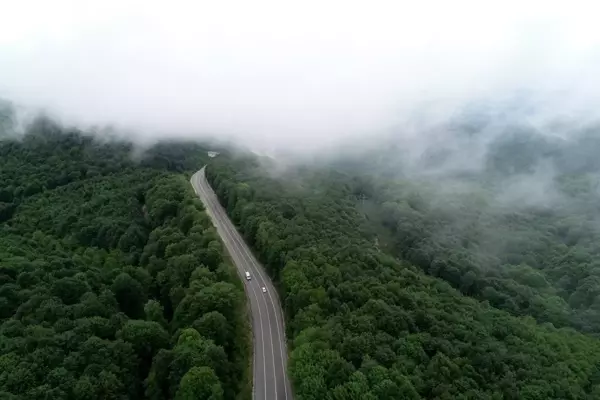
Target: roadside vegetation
(364, 319)
(113, 283)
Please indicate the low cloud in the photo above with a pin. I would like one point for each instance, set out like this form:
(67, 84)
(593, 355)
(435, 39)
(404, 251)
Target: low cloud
(300, 77)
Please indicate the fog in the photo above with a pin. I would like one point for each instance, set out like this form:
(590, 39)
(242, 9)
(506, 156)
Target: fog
(297, 77)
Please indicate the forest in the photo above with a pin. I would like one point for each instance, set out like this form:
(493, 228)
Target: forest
(522, 232)
(113, 282)
(366, 320)
(397, 283)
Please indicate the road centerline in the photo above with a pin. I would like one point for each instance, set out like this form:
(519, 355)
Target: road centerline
(246, 262)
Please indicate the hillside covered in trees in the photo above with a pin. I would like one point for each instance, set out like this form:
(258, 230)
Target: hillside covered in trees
(425, 280)
(365, 319)
(113, 283)
(519, 229)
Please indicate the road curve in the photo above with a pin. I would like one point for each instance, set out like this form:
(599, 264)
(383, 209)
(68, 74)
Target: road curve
(270, 354)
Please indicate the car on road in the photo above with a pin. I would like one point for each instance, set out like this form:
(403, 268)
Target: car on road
(264, 289)
(247, 275)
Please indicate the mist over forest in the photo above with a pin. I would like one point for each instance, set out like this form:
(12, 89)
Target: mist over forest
(421, 182)
(503, 207)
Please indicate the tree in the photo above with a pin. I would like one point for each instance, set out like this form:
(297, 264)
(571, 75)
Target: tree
(129, 295)
(222, 297)
(200, 383)
(157, 383)
(69, 290)
(213, 325)
(146, 337)
(154, 312)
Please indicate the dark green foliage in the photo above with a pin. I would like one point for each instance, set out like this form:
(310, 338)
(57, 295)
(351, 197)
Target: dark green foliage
(96, 251)
(200, 383)
(145, 337)
(129, 295)
(521, 233)
(364, 325)
(213, 325)
(154, 312)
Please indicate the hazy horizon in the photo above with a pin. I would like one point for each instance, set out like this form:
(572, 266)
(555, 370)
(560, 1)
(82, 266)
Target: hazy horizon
(274, 76)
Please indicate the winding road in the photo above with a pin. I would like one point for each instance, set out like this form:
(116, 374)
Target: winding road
(270, 354)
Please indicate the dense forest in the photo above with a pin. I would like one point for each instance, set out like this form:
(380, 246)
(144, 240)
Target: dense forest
(366, 321)
(113, 283)
(521, 231)
(399, 279)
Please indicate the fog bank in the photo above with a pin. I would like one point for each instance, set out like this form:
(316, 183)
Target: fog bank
(272, 75)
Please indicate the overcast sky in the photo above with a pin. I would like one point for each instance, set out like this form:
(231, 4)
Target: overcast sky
(288, 74)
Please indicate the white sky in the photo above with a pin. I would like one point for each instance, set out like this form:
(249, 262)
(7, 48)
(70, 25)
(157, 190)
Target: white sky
(287, 74)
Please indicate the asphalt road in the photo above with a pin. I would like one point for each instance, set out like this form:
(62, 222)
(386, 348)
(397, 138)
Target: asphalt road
(270, 354)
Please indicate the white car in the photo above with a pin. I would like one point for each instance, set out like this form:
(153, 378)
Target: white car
(264, 289)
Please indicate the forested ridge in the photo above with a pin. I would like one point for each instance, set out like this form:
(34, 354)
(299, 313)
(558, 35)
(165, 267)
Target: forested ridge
(114, 285)
(520, 232)
(366, 325)
(528, 261)
(113, 282)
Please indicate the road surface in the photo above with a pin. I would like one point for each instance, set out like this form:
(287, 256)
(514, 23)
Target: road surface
(270, 354)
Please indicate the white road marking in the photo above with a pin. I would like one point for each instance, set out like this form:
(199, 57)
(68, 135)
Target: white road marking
(235, 242)
(257, 269)
(243, 251)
